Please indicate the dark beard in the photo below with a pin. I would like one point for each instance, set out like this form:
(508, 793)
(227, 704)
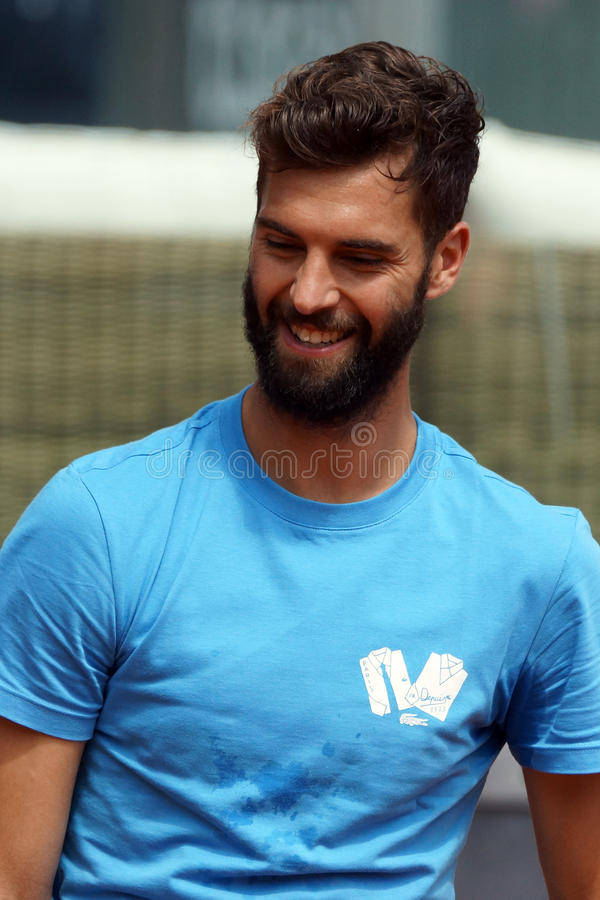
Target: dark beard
(355, 390)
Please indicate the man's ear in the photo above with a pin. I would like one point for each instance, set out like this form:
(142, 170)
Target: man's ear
(447, 260)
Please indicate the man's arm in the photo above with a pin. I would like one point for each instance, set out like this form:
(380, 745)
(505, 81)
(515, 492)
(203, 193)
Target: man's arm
(565, 810)
(37, 775)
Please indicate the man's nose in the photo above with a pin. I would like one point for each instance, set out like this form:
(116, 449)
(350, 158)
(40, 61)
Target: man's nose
(314, 286)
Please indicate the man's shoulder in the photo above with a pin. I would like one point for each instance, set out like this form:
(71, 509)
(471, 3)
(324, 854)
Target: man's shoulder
(120, 495)
(139, 484)
(495, 499)
(154, 453)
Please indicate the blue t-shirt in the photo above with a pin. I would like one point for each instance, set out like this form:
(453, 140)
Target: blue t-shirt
(286, 697)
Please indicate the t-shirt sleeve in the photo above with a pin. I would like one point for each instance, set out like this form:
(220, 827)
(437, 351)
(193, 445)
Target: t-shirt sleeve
(554, 717)
(57, 615)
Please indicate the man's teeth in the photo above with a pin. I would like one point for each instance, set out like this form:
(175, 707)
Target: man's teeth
(317, 337)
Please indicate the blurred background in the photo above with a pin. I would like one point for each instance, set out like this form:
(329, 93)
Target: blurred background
(126, 202)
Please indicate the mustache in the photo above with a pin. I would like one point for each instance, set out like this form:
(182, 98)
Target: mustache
(320, 321)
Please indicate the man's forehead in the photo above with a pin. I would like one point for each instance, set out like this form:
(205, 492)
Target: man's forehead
(362, 191)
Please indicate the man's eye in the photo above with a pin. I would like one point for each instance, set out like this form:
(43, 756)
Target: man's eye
(278, 245)
(366, 260)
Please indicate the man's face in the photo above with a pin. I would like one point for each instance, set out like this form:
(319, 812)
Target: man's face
(335, 291)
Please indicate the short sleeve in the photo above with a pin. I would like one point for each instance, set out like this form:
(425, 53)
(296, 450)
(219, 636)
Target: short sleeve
(554, 717)
(57, 620)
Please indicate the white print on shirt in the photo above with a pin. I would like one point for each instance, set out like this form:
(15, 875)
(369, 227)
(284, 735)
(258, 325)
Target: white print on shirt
(411, 719)
(395, 667)
(433, 692)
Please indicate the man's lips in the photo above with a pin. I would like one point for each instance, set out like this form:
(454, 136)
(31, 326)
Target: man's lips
(308, 349)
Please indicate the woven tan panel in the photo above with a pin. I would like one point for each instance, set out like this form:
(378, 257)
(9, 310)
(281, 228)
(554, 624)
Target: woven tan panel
(103, 341)
(509, 367)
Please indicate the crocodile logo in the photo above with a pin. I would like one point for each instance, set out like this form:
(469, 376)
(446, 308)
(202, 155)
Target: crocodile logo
(411, 719)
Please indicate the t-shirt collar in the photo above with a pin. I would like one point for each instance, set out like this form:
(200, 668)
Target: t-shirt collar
(243, 468)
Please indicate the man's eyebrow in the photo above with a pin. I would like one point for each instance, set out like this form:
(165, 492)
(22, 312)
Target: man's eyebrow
(376, 246)
(276, 226)
(356, 244)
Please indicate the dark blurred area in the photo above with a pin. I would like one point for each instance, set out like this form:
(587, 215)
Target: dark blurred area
(50, 61)
(93, 62)
(536, 61)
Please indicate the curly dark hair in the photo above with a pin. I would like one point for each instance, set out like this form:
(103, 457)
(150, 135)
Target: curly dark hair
(369, 100)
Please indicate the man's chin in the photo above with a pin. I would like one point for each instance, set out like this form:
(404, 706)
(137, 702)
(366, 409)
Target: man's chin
(319, 399)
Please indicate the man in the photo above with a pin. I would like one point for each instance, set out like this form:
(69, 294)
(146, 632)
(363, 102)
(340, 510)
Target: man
(272, 650)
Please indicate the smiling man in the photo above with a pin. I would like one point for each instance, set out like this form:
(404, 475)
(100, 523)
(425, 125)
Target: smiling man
(284, 665)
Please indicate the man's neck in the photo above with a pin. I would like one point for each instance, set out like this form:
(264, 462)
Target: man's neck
(332, 465)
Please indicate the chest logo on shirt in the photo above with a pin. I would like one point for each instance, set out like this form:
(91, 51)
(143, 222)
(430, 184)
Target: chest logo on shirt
(433, 692)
